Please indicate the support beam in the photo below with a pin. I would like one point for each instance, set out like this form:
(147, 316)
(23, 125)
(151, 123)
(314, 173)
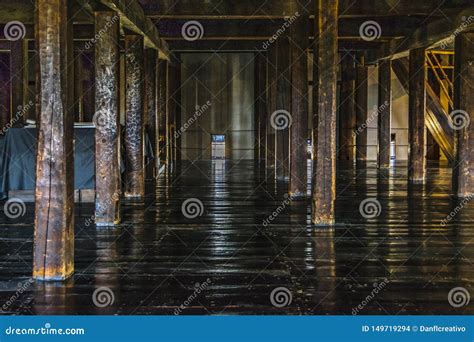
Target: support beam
(463, 115)
(151, 110)
(282, 118)
(299, 103)
(19, 79)
(347, 119)
(134, 128)
(416, 116)
(54, 197)
(324, 148)
(162, 111)
(361, 95)
(261, 106)
(106, 119)
(384, 113)
(272, 106)
(4, 90)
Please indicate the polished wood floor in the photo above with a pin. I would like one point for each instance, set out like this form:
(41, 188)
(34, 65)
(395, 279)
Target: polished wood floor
(157, 259)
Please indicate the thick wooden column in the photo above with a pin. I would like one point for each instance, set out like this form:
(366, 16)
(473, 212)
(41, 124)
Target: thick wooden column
(19, 79)
(299, 103)
(361, 92)
(151, 110)
(463, 115)
(416, 116)
(177, 99)
(347, 117)
(272, 106)
(162, 110)
(54, 197)
(384, 113)
(134, 123)
(324, 153)
(282, 118)
(107, 132)
(4, 90)
(260, 107)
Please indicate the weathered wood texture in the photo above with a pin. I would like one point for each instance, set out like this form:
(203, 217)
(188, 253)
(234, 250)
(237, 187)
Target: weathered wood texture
(106, 119)
(151, 101)
(134, 123)
(416, 116)
(324, 148)
(384, 113)
(347, 118)
(163, 110)
(177, 100)
(272, 106)
(361, 96)
(19, 80)
(463, 115)
(54, 197)
(260, 106)
(4, 90)
(299, 102)
(281, 118)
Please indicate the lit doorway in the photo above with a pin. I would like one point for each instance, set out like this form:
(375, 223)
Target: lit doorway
(218, 147)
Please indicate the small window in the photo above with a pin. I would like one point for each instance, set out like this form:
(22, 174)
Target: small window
(218, 146)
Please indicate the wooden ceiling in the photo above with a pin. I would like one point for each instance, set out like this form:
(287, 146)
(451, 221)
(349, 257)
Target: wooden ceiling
(244, 25)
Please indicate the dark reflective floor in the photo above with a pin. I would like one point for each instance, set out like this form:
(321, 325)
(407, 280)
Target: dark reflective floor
(228, 261)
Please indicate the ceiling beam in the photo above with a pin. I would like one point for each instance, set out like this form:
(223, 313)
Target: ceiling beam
(428, 35)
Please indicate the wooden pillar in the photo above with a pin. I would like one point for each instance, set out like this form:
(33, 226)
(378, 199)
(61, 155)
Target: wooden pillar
(281, 119)
(361, 93)
(177, 98)
(324, 153)
(19, 79)
(4, 90)
(134, 125)
(107, 132)
(272, 106)
(78, 88)
(347, 119)
(463, 115)
(416, 116)
(384, 112)
(151, 68)
(299, 103)
(162, 110)
(261, 107)
(54, 197)
(171, 111)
